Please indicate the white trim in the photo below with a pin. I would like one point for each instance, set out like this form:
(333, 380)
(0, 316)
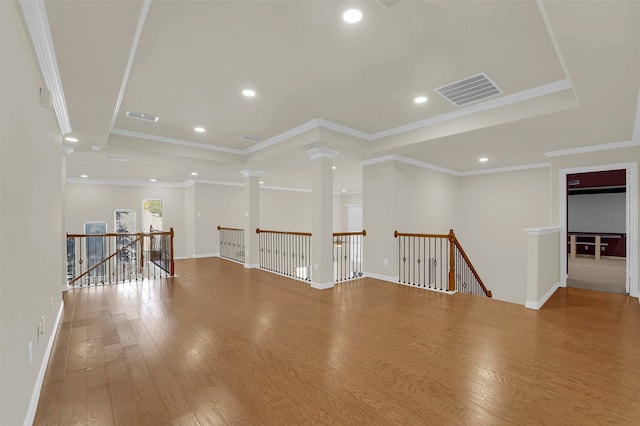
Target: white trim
(635, 136)
(322, 286)
(174, 141)
(387, 278)
(410, 161)
(545, 89)
(592, 148)
(427, 288)
(537, 305)
(542, 231)
(35, 16)
(35, 395)
(180, 258)
(322, 152)
(132, 53)
(205, 255)
(251, 173)
(282, 188)
(632, 219)
(192, 182)
(67, 149)
(554, 41)
(257, 266)
(309, 125)
(348, 192)
(330, 125)
(125, 182)
(506, 169)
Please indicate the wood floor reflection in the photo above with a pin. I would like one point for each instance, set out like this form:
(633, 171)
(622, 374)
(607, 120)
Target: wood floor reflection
(220, 344)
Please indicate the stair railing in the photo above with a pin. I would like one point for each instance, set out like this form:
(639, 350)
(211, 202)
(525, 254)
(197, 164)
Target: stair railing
(231, 243)
(347, 255)
(437, 262)
(285, 253)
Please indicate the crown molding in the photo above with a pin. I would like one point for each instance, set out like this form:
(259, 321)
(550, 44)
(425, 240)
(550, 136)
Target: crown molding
(535, 92)
(125, 182)
(542, 231)
(282, 188)
(592, 148)
(410, 161)
(192, 182)
(37, 21)
(322, 152)
(174, 141)
(298, 130)
(506, 169)
(330, 125)
(132, 53)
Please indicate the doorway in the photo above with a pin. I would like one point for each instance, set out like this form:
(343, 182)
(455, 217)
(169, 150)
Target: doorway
(598, 207)
(596, 231)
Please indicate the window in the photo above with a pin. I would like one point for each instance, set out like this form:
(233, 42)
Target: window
(125, 223)
(151, 215)
(96, 248)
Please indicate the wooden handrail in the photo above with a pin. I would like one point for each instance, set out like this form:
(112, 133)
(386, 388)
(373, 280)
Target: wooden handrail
(104, 260)
(344, 234)
(473, 270)
(229, 229)
(397, 234)
(137, 234)
(259, 231)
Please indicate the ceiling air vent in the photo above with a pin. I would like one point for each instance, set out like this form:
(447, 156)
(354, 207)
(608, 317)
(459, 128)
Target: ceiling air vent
(252, 139)
(114, 158)
(142, 116)
(469, 90)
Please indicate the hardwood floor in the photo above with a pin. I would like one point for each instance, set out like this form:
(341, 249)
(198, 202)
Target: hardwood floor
(220, 344)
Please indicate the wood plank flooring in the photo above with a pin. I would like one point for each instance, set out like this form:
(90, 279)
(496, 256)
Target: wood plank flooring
(220, 345)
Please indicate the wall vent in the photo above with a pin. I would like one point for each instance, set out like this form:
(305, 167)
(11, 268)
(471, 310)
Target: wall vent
(471, 89)
(252, 139)
(114, 158)
(142, 116)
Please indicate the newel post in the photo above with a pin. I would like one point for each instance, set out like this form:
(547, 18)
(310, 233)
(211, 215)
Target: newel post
(172, 265)
(141, 240)
(452, 261)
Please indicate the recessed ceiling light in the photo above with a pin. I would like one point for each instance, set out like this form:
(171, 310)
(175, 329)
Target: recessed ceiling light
(70, 139)
(194, 173)
(261, 182)
(199, 129)
(152, 180)
(84, 176)
(249, 93)
(420, 99)
(352, 16)
(344, 190)
(333, 167)
(483, 159)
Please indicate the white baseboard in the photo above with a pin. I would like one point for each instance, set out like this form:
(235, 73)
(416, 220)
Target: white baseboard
(381, 277)
(251, 265)
(180, 258)
(200, 256)
(537, 305)
(428, 289)
(35, 396)
(322, 286)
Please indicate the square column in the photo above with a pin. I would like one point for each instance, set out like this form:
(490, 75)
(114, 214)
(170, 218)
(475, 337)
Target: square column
(322, 216)
(251, 218)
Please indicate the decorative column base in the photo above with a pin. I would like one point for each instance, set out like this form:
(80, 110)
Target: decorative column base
(322, 286)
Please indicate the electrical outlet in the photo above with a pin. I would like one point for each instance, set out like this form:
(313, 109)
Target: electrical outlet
(30, 353)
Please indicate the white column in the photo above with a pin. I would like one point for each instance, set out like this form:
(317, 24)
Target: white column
(322, 216)
(251, 217)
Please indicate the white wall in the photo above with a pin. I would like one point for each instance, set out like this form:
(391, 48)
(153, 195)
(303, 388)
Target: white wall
(94, 202)
(30, 223)
(597, 213)
(285, 210)
(216, 205)
(493, 209)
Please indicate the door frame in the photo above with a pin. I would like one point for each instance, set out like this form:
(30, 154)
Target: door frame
(631, 219)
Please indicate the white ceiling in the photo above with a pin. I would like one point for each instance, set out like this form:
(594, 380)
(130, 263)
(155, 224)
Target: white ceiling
(569, 71)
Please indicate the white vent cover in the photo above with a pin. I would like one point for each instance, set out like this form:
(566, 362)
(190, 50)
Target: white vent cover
(114, 158)
(250, 138)
(142, 116)
(471, 89)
